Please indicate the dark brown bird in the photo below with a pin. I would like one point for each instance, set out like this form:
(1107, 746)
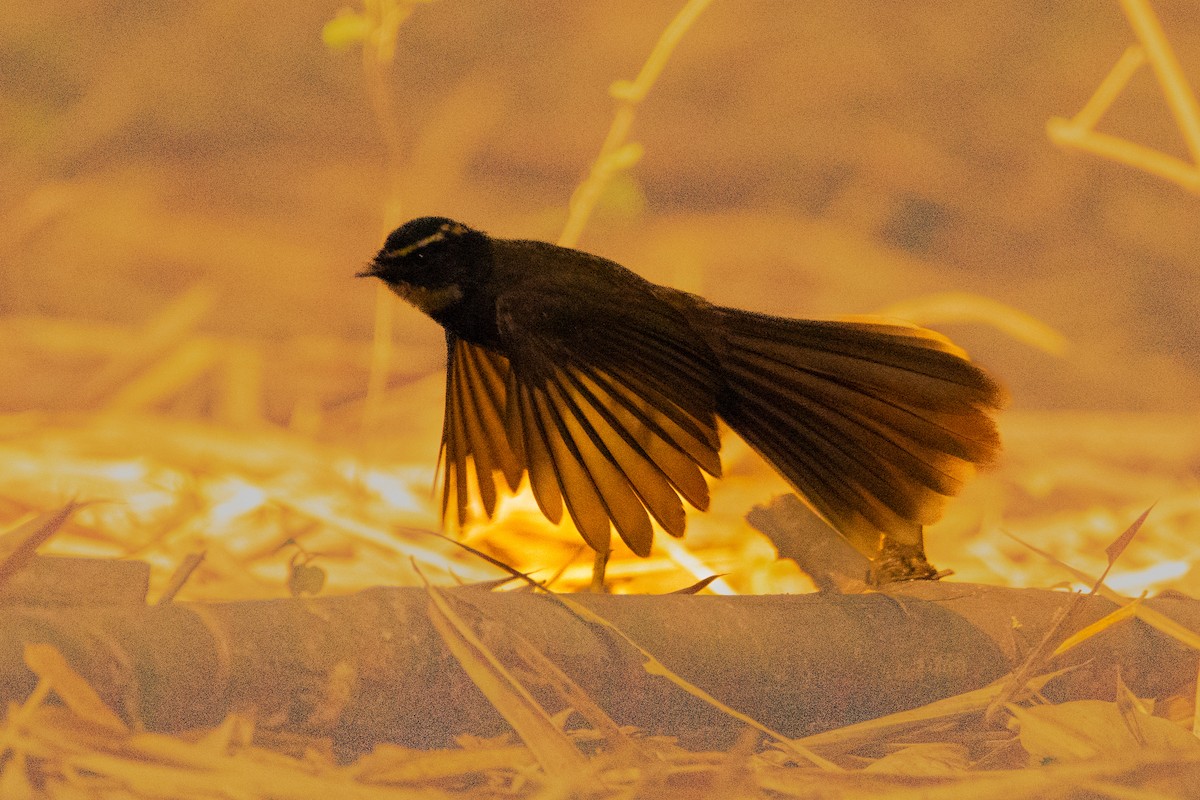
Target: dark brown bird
(606, 389)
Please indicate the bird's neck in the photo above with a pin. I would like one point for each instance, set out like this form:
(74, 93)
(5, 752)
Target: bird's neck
(469, 315)
(432, 301)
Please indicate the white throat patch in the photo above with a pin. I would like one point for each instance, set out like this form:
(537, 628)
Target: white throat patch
(430, 301)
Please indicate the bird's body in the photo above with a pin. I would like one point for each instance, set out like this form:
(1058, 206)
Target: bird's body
(606, 390)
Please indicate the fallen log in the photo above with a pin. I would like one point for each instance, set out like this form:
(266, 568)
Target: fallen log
(371, 667)
(72, 581)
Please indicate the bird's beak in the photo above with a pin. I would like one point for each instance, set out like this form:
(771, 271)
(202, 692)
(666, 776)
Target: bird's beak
(372, 271)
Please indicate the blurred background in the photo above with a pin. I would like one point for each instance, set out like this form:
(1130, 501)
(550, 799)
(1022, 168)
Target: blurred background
(186, 190)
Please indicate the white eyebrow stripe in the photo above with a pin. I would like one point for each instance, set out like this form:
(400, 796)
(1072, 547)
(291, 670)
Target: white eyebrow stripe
(403, 251)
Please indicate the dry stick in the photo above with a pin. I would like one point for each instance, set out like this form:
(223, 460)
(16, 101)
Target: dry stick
(18, 545)
(180, 576)
(379, 49)
(616, 153)
(1079, 131)
(1195, 705)
(241, 398)
(1041, 654)
(1123, 151)
(1036, 659)
(1111, 87)
(940, 308)
(171, 374)
(1168, 71)
(552, 748)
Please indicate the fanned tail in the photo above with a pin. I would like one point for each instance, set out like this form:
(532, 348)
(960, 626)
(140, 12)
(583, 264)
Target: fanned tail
(875, 424)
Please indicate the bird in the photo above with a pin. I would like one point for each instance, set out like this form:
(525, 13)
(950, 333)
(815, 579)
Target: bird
(605, 390)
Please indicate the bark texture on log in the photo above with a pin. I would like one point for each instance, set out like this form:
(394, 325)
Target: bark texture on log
(370, 667)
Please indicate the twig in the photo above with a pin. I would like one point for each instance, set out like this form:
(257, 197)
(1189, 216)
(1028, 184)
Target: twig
(180, 576)
(957, 307)
(617, 154)
(1180, 98)
(1035, 660)
(380, 23)
(1079, 131)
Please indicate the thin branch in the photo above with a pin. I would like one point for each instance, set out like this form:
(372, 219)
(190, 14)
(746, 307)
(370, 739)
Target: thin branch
(617, 153)
(1180, 98)
(383, 20)
(1079, 132)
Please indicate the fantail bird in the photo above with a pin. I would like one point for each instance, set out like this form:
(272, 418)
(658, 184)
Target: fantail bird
(606, 390)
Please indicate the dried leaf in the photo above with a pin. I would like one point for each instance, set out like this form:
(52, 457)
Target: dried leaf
(1121, 614)
(18, 545)
(947, 709)
(1088, 729)
(1132, 707)
(1079, 575)
(571, 693)
(1118, 546)
(392, 764)
(556, 753)
(1135, 608)
(698, 586)
(49, 665)
(930, 758)
(1156, 733)
(1161, 622)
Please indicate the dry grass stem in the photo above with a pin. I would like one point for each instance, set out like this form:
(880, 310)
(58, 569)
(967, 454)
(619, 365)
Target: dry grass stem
(1153, 47)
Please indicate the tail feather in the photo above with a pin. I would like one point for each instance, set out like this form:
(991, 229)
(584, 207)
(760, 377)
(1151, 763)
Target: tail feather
(859, 496)
(922, 366)
(875, 424)
(882, 458)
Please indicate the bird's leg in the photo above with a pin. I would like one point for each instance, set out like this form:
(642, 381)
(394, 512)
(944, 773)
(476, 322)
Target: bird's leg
(895, 561)
(599, 564)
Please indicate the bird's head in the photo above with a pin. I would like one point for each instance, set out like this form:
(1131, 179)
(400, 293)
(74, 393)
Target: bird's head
(432, 262)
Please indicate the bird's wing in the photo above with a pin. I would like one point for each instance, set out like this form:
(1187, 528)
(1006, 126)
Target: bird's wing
(614, 420)
(473, 427)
